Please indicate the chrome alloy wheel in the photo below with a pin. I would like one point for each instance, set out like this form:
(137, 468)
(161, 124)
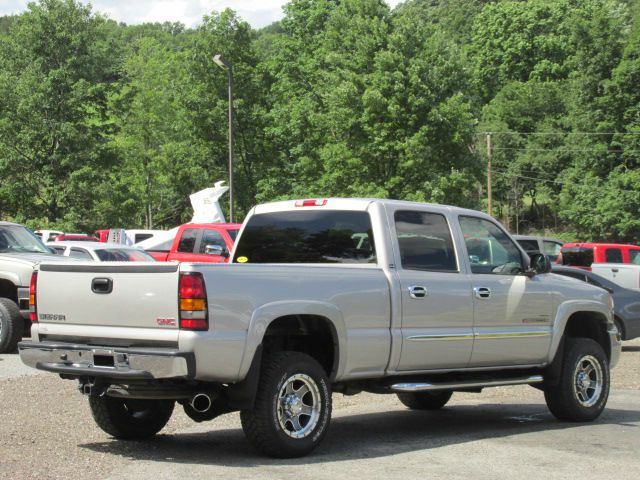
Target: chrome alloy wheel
(588, 381)
(299, 405)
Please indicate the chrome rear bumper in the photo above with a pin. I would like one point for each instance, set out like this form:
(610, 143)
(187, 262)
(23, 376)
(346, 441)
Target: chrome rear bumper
(112, 362)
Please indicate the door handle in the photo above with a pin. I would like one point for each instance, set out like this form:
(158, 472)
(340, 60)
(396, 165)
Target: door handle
(614, 270)
(482, 292)
(417, 291)
(102, 285)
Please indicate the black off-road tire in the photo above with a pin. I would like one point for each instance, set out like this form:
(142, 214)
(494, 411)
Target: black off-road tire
(263, 424)
(425, 400)
(130, 419)
(570, 399)
(11, 325)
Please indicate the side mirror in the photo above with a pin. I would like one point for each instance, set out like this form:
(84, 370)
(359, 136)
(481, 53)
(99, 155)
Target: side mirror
(539, 263)
(216, 250)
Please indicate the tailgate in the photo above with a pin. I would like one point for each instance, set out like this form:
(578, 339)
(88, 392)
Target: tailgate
(114, 294)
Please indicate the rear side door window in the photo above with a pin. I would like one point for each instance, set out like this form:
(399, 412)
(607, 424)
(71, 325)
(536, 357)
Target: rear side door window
(613, 255)
(188, 240)
(425, 242)
(489, 248)
(634, 257)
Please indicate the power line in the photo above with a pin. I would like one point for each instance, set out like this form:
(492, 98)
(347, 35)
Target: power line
(558, 133)
(525, 149)
(504, 173)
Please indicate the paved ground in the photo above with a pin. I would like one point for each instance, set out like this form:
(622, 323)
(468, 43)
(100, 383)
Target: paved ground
(46, 431)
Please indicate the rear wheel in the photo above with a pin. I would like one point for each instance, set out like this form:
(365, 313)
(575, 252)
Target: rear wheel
(130, 419)
(292, 408)
(425, 400)
(11, 325)
(583, 388)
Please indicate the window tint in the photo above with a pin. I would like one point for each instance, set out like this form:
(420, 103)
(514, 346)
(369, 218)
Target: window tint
(490, 250)
(577, 256)
(233, 234)
(552, 249)
(211, 237)
(634, 257)
(188, 241)
(59, 250)
(425, 241)
(79, 253)
(123, 255)
(307, 236)
(613, 255)
(141, 236)
(530, 246)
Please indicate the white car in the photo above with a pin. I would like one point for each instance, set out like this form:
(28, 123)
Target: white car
(100, 252)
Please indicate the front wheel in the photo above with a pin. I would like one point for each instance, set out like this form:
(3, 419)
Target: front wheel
(130, 419)
(292, 408)
(583, 387)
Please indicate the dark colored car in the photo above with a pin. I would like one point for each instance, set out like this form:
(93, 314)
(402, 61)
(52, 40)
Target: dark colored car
(626, 301)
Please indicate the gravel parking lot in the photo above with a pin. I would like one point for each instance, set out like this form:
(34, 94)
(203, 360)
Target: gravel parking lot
(46, 431)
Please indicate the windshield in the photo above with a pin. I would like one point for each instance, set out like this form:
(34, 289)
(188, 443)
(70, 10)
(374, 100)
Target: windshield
(16, 239)
(123, 255)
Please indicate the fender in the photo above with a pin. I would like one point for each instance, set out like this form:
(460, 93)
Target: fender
(12, 277)
(263, 316)
(564, 312)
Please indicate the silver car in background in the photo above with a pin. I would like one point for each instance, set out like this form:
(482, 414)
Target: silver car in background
(100, 252)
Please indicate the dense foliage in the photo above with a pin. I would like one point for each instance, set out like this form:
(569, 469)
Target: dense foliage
(104, 124)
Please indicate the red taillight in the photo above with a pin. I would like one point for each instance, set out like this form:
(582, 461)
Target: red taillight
(193, 302)
(33, 305)
(320, 202)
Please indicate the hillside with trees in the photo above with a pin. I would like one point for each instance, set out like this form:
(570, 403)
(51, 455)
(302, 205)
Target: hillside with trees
(103, 124)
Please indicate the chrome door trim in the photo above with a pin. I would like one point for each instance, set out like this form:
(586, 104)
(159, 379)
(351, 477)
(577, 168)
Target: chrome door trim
(441, 336)
(489, 336)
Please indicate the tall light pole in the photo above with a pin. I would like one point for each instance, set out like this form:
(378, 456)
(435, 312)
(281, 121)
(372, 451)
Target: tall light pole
(228, 66)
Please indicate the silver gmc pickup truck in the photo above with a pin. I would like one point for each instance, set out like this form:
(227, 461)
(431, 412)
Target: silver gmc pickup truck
(322, 296)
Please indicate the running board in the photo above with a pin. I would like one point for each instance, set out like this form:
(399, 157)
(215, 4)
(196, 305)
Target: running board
(425, 387)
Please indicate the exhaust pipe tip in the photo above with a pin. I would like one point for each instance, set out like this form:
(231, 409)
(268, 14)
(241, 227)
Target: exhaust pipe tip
(201, 402)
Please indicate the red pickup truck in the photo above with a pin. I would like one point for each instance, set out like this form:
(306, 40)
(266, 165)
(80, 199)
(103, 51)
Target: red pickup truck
(584, 254)
(200, 242)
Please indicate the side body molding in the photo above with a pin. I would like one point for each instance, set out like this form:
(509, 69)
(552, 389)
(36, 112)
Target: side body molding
(267, 313)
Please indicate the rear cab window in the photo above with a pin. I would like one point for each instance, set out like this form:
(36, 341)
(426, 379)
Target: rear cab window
(577, 256)
(188, 240)
(311, 236)
(529, 246)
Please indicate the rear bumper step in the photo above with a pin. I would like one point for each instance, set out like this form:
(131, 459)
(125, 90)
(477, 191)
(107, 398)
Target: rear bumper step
(461, 385)
(111, 362)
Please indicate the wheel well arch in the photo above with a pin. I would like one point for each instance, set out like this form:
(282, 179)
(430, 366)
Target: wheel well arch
(314, 335)
(591, 325)
(8, 290)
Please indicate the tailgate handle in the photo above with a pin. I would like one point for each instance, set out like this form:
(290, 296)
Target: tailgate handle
(102, 285)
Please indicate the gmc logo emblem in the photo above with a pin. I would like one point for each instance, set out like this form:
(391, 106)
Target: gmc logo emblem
(166, 322)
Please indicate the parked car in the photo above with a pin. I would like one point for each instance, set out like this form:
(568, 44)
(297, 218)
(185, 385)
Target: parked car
(327, 295)
(534, 244)
(626, 302)
(101, 252)
(76, 237)
(584, 254)
(20, 251)
(199, 242)
(46, 235)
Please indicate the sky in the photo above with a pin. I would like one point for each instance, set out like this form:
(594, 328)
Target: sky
(258, 13)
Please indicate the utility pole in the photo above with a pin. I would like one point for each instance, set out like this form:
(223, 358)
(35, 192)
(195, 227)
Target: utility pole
(228, 67)
(489, 198)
